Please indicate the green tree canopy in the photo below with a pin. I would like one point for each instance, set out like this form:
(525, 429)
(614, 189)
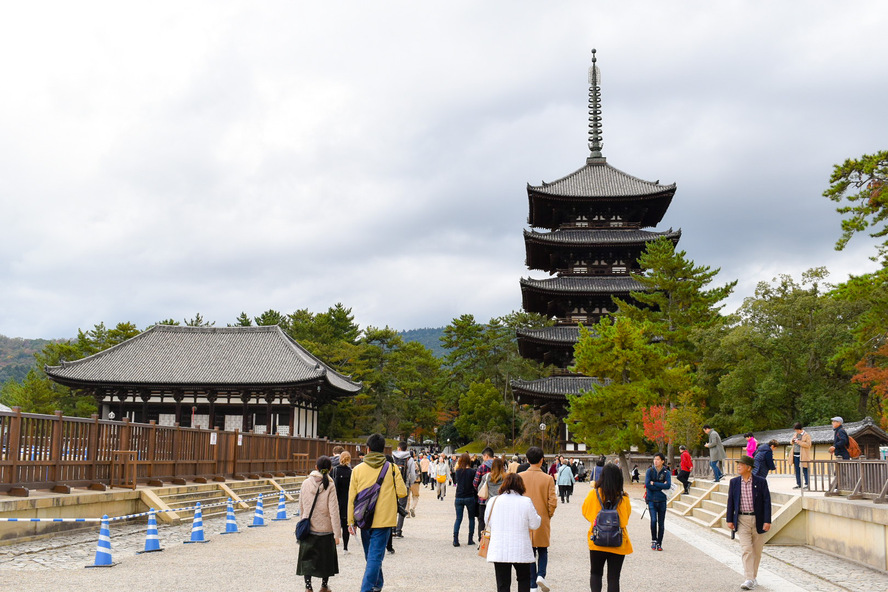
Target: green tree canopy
(862, 185)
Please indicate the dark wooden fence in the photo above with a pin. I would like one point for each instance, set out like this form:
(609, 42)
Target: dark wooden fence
(48, 451)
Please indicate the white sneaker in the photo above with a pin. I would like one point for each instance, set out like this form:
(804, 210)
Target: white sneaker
(748, 585)
(541, 584)
(534, 589)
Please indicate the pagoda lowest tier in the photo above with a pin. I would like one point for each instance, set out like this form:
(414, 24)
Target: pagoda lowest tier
(589, 252)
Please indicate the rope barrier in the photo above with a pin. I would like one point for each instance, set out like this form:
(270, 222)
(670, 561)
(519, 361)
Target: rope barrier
(140, 514)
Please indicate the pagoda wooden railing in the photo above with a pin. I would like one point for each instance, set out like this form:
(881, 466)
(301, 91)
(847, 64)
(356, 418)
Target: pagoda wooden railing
(53, 451)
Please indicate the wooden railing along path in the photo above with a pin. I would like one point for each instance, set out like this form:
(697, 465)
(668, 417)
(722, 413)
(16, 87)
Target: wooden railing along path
(57, 452)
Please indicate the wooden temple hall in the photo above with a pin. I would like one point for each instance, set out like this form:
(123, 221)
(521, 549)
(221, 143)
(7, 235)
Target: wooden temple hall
(587, 231)
(231, 378)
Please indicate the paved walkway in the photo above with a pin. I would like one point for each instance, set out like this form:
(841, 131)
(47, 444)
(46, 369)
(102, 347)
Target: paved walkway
(694, 559)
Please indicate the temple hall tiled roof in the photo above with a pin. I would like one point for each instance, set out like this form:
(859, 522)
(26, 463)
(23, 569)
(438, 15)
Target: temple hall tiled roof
(556, 386)
(601, 180)
(211, 356)
(822, 434)
(583, 284)
(599, 236)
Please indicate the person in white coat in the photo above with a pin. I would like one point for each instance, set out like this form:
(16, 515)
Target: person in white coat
(510, 517)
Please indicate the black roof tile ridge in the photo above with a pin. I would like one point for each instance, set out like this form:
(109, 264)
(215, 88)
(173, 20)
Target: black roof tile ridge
(606, 165)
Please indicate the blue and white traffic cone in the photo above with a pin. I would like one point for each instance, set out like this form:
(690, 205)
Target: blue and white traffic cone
(152, 543)
(282, 508)
(103, 548)
(197, 534)
(259, 518)
(230, 521)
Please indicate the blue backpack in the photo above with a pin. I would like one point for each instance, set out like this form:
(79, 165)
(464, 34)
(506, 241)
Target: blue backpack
(365, 501)
(606, 531)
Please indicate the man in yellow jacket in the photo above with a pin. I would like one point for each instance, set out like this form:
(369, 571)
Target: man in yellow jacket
(385, 517)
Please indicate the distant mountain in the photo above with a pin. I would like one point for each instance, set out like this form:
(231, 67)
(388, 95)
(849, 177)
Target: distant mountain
(17, 356)
(429, 337)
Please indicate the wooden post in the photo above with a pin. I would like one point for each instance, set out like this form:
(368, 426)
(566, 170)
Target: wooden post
(151, 455)
(93, 446)
(14, 445)
(55, 447)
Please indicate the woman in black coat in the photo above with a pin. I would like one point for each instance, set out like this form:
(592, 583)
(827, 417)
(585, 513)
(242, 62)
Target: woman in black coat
(341, 476)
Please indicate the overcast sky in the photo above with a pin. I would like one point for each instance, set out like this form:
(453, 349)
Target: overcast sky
(222, 157)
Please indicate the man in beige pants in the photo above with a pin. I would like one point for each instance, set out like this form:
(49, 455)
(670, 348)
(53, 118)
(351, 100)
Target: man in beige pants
(749, 515)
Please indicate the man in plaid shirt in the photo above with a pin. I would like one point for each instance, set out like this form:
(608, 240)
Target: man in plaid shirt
(749, 515)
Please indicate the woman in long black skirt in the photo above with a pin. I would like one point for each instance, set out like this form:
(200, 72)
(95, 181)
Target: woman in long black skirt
(317, 553)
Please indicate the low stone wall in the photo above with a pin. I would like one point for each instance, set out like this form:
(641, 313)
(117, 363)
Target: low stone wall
(854, 530)
(86, 505)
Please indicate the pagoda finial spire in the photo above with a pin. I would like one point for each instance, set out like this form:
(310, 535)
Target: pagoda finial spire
(595, 143)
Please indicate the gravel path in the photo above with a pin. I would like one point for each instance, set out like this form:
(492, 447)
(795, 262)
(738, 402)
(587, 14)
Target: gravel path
(259, 559)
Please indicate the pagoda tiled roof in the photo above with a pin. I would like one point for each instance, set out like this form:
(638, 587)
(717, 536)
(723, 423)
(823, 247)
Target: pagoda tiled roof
(821, 434)
(585, 284)
(566, 335)
(599, 179)
(599, 236)
(556, 386)
(169, 355)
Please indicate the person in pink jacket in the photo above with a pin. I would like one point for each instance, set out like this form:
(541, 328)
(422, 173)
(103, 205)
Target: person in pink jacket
(751, 444)
(318, 501)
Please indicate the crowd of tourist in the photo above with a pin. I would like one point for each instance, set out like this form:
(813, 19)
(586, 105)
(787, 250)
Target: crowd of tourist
(511, 500)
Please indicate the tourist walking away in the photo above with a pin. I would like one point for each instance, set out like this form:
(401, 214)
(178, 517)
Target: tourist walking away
(607, 494)
(685, 466)
(716, 452)
(657, 482)
(442, 475)
(513, 465)
(318, 502)
(413, 492)
(341, 476)
(337, 452)
(763, 461)
(801, 454)
(635, 474)
(540, 488)
(385, 517)
(487, 456)
(840, 439)
(424, 468)
(494, 480)
(463, 480)
(565, 482)
(751, 444)
(404, 461)
(599, 466)
(749, 515)
(510, 518)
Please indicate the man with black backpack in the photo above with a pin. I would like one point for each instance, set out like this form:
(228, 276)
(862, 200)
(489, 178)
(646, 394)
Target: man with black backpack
(372, 505)
(404, 461)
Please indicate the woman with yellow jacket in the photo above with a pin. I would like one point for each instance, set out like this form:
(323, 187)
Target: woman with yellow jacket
(609, 487)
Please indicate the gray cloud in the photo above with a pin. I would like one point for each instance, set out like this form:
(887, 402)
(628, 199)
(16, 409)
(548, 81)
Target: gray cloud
(161, 161)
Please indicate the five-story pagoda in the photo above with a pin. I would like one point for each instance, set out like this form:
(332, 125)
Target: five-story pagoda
(587, 232)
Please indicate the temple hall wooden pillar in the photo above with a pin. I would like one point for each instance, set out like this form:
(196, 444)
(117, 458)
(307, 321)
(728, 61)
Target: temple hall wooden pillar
(211, 399)
(269, 424)
(292, 399)
(144, 395)
(245, 424)
(178, 396)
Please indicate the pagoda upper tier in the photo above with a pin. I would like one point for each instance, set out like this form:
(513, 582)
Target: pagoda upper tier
(589, 251)
(598, 196)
